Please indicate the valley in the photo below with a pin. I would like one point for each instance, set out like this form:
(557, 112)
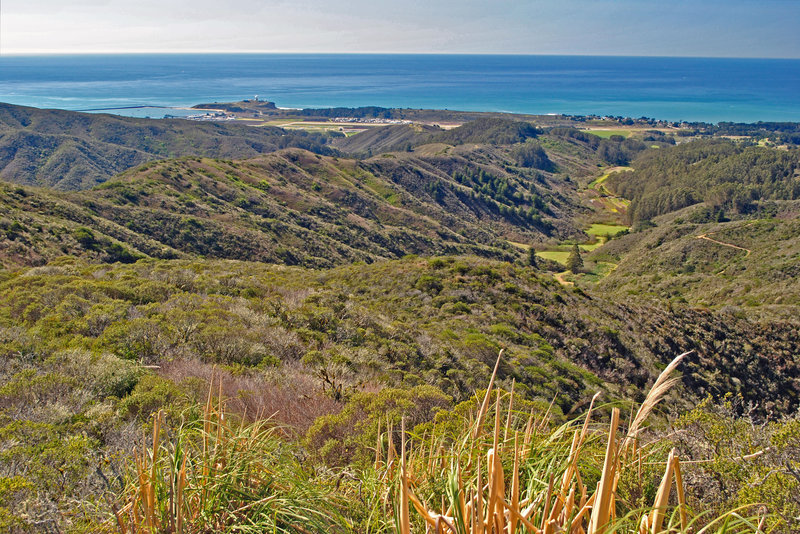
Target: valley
(307, 292)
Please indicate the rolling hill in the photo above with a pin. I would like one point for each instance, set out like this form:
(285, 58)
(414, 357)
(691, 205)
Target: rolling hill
(68, 150)
(335, 291)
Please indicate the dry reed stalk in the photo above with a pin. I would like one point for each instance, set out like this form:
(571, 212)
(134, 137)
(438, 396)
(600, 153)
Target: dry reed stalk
(541, 426)
(601, 511)
(528, 434)
(510, 405)
(662, 496)
(180, 495)
(515, 486)
(575, 525)
(378, 447)
(515, 513)
(405, 521)
(681, 494)
(486, 399)
(478, 512)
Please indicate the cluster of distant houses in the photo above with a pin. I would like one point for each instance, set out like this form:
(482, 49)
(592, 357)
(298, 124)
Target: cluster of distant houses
(209, 116)
(370, 120)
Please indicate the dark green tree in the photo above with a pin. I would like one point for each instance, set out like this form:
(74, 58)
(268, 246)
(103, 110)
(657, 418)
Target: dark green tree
(574, 260)
(532, 257)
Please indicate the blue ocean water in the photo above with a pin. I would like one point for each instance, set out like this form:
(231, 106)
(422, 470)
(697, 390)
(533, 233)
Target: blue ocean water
(694, 89)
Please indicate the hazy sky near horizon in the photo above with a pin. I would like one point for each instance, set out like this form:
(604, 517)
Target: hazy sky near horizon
(733, 28)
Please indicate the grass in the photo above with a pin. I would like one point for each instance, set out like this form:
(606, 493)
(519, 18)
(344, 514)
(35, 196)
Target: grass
(555, 255)
(599, 229)
(496, 468)
(592, 246)
(605, 134)
(220, 475)
(595, 184)
(614, 204)
(505, 473)
(592, 273)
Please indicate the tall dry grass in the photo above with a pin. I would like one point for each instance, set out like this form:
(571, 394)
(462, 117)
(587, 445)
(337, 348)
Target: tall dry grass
(223, 475)
(504, 472)
(508, 477)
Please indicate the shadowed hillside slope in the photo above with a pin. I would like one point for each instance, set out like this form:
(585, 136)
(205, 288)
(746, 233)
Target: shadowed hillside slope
(69, 150)
(402, 323)
(293, 207)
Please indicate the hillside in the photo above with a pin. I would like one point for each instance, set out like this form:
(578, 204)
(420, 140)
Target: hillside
(90, 351)
(748, 262)
(292, 207)
(299, 208)
(307, 304)
(386, 139)
(726, 175)
(68, 150)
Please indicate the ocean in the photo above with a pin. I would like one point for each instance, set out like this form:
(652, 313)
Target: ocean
(691, 89)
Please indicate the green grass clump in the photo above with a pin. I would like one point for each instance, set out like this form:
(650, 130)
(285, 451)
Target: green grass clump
(227, 476)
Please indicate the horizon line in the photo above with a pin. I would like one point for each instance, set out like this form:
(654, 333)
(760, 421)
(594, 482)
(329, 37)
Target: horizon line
(17, 53)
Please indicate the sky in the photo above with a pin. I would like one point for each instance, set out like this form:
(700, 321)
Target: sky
(709, 28)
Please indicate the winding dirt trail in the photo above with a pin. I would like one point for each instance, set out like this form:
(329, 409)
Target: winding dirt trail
(560, 278)
(705, 236)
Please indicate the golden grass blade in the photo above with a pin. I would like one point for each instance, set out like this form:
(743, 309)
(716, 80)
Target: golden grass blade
(662, 496)
(568, 506)
(180, 496)
(462, 505)
(543, 422)
(480, 520)
(644, 524)
(572, 466)
(437, 521)
(515, 486)
(510, 406)
(206, 433)
(585, 427)
(486, 399)
(151, 495)
(378, 446)
(575, 525)
(391, 452)
(681, 495)
(421, 509)
(496, 435)
(581, 488)
(528, 434)
(405, 520)
(545, 515)
(494, 513)
(491, 465)
(604, 496)
(431, 458)
(519, 517)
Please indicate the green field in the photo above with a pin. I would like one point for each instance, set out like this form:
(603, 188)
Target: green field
(591, 246)
(555, 255)
(592, 274)
(598, 229)
(605, 134)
